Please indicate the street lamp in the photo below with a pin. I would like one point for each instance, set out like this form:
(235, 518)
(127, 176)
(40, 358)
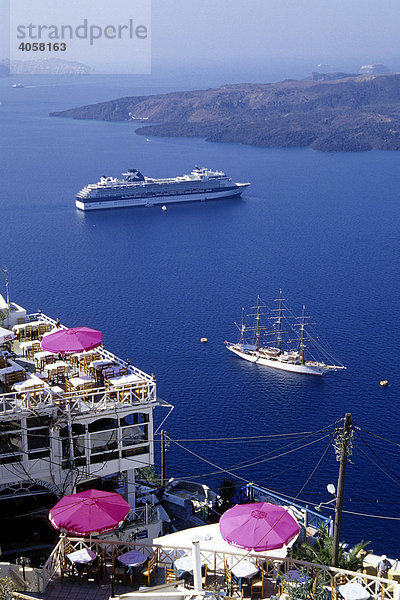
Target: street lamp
(332, 490)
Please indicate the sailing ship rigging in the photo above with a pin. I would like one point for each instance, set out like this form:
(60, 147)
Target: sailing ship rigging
(269, 347)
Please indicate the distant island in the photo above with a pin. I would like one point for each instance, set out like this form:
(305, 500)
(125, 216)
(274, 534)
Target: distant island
(44, 66)
(346, 114)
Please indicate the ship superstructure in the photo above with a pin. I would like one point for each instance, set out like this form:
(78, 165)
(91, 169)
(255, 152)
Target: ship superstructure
(136, 190)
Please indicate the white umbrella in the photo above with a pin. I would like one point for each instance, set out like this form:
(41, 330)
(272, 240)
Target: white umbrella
(6, 335)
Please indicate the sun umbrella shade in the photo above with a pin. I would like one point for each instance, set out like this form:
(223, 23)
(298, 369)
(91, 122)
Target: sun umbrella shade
(69, 341)
(87, 512)
(259, 526)
(6, 335)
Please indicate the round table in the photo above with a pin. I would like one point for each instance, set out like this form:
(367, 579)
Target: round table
(354, 591)
(131, 560)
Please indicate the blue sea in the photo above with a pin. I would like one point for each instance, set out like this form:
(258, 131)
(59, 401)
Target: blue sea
(322, 227)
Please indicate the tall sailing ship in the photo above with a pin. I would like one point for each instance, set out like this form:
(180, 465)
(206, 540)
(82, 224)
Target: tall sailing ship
(270, 346)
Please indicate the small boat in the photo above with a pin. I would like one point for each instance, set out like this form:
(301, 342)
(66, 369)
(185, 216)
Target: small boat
(203, 340)
(270, 347)
(18, 85)
(163, 207)
(384, 383)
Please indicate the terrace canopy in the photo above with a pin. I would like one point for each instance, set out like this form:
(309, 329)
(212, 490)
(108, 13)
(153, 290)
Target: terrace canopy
(211, 541)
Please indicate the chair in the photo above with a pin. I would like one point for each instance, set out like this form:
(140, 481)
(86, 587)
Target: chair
(42, 329)
(211, 576)
(21, 321)
(231, 583)
(108, 374)
(123, 371)
(149, 572)
(257, 586)
(67, 569)
(59, 375)
(95, 570)
(14, 377)
(171, 575)
(338, 579)
(117, 572)
(27, 333)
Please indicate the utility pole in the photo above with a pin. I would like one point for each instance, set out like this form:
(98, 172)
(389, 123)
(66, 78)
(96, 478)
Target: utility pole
(162, 457)
(343, 440)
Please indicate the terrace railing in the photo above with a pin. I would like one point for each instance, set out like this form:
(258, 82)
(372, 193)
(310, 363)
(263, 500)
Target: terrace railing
(379, 589)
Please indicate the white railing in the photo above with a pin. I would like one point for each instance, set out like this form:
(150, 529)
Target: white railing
(53, 563)
(80, 401)
(379, 589)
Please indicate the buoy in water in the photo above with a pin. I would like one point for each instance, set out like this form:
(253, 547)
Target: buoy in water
(163, 207)
(203, 340)
(384, 383)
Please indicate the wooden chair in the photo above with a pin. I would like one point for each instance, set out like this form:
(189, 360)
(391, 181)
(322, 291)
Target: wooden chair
(21, 320)
(59, 374)
(42, 329)
(118, 572)
(257, 585)
(171, 575)
(108, 374)
(3, 362)
(67, 569)
(27, 333)
(231, 583)
(338, 579)
(123, 371)
(149, 572)
(95, 570)
(15, 377)
(211, 577)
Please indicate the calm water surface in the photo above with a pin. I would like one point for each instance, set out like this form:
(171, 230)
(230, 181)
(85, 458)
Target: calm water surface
(323, 227)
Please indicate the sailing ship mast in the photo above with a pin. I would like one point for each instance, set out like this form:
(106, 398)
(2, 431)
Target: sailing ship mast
(302, 346)
(258, 315)
(279, 322)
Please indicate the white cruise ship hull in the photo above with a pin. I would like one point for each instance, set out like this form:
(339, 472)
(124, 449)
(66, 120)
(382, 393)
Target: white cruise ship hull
(127, 202)
(275, 363)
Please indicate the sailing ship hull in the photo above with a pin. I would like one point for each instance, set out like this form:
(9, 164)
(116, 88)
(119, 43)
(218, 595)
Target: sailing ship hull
(273, 363)
(251, 357)
(292, 367)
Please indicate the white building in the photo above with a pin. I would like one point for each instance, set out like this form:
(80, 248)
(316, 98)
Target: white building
(58, 438)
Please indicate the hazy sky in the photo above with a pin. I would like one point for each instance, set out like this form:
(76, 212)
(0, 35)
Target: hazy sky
(337, 32)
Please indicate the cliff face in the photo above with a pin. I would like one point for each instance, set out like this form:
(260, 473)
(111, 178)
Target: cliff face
(348, 114)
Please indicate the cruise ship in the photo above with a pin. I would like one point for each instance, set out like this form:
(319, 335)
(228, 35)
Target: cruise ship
(136, 190)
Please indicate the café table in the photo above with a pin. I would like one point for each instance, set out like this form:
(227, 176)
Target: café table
(32, 381)
(123, 380)
(29, 344)
(131, 560)
(354, 591)
(21, 326)
(41, 356)
(243, 571)
(79, 382)
(55, 365)
(81, 558)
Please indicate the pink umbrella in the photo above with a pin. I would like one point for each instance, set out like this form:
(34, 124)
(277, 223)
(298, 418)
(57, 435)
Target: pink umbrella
(260, 526)
(69, 341)
(87, 512)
